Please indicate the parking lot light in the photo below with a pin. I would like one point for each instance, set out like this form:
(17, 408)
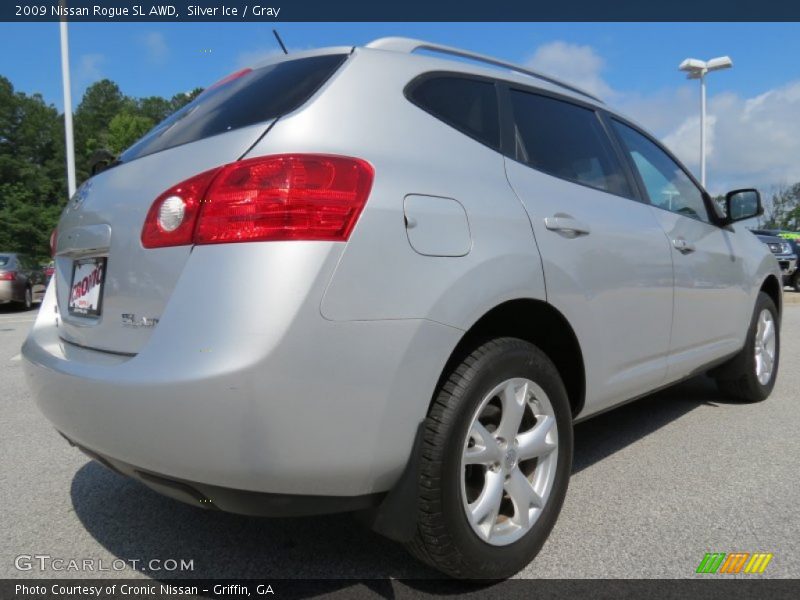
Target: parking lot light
(697, 69)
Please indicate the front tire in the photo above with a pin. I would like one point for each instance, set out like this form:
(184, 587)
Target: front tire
(496, 461)
(750, 375)
(795, 281)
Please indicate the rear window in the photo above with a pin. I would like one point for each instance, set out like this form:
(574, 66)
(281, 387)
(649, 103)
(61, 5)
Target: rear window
(243, 99)
(4, 260)
(565, 140)
(469, 105)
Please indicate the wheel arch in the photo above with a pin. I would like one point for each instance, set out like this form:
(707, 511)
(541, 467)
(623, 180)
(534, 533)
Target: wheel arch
(534, 321)
(773, 288)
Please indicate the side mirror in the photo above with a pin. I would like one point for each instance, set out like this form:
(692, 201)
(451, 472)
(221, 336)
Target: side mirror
(742, 204)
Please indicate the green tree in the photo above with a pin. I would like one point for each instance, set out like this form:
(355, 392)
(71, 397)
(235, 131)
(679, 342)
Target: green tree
(124, 129)
(101, 102)
(32, 186)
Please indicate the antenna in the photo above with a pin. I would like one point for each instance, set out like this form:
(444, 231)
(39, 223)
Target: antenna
(280, 41)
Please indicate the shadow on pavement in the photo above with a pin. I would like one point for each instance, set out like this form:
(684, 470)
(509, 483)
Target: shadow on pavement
(610, 432)
(132, 522)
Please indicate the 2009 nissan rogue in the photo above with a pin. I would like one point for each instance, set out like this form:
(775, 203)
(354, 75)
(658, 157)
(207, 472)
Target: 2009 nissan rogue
(372, 279)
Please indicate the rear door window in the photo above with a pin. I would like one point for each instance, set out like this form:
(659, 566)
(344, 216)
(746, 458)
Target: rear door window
(244, 98)
(469, 105)
(565, 140)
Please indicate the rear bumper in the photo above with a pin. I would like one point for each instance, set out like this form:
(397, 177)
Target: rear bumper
(244, 502)
(303, 406)
(8, 292)
(788, 265)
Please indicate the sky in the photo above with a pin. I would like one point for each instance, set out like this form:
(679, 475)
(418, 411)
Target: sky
(754, 108)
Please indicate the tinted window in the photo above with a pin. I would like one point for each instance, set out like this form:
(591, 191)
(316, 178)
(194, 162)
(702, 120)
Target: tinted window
(667, 185)
(565, 140)
(468, 105)
(4, 260)
(239, 101)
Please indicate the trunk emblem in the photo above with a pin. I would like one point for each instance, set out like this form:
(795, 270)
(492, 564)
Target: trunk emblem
(81, 194)
(134, 322)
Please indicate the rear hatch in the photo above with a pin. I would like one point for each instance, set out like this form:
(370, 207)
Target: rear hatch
(111, 290)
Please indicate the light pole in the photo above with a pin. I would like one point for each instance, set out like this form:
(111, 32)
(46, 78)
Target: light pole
(697, 69)
(68, 134)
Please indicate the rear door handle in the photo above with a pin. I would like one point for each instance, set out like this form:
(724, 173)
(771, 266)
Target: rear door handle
(567, 225)
(682, 246)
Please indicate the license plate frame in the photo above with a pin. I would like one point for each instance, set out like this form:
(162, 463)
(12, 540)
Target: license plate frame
(90, 273)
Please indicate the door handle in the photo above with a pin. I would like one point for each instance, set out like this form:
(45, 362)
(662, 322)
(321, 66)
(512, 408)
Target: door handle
(567, 225)
(682, 246)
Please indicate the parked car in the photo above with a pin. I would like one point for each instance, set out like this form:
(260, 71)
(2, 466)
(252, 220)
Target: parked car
(21, 280)
(447, 266)
(784, 247)
(48, 270)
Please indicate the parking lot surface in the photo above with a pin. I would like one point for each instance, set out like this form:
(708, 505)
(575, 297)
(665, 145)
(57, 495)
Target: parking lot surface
(656, 484)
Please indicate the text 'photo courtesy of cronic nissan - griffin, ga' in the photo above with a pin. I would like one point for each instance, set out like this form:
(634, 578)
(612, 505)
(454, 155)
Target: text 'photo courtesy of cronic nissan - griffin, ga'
(456, 263)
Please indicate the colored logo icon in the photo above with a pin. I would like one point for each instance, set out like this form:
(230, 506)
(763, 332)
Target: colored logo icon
(735, 562)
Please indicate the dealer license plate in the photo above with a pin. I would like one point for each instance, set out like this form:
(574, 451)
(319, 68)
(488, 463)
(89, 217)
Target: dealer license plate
(86, 292)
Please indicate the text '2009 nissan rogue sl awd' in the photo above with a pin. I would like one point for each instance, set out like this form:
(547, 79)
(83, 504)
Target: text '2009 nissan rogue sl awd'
(369, 279)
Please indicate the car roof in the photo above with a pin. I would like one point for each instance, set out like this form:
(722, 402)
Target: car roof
(438, 57)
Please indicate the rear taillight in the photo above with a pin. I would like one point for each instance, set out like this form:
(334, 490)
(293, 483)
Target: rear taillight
(8, 275)
(272, 198)
(161, 228)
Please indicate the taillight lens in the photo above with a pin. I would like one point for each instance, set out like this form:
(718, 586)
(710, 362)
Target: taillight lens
(8, 275)
(272, 198)
(161, 226)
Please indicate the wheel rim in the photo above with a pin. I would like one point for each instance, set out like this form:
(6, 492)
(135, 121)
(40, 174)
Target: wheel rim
(765, 347)
(508, 463)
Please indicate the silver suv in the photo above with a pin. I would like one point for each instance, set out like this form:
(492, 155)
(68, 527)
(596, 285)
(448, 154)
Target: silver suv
(368, 279)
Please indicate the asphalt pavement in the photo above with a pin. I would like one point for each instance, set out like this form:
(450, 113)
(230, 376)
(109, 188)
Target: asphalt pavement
(656, 484)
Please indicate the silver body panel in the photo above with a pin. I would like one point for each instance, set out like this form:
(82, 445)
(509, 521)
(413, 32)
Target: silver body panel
(305, 367)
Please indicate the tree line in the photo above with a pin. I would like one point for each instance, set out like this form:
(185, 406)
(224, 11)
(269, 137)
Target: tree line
(33, 185)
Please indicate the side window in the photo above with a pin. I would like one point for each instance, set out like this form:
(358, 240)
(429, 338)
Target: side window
(565, 140)
(668, 186)
(469, 105)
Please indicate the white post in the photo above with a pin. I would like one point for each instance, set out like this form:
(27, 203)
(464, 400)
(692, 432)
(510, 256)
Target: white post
(703, 129)
(67, 109)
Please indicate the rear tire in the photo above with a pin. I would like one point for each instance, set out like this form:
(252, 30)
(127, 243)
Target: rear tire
(27, 302)
(795, 281)
(503, 382)
(750, 375)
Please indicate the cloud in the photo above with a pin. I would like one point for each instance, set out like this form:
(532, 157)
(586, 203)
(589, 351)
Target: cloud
(155, 45)
(751, 141)
(90, 67)
(578, 65)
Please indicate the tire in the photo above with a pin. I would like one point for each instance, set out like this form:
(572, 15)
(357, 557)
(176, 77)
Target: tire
(27, 302)
(795, 281)
(739, 378)
(446, 538)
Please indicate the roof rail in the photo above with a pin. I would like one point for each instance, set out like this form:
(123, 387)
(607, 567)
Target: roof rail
(409, 45)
